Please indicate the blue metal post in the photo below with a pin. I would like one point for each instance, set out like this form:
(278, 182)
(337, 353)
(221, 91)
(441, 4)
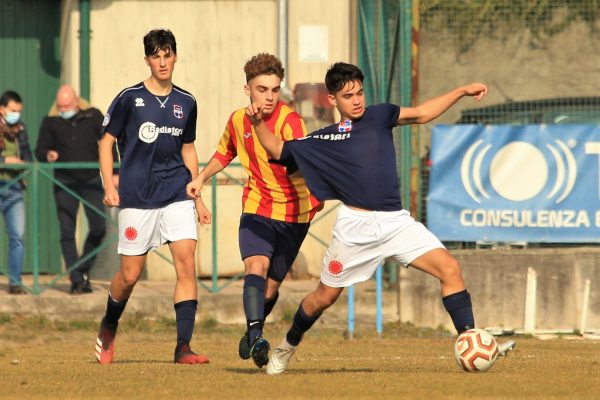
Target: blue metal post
(379, 299)
(350, 312)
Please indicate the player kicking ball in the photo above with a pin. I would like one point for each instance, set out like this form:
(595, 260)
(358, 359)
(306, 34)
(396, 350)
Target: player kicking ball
(355, 162)
(155, 125)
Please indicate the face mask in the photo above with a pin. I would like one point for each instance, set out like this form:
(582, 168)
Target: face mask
(12, 117)
(67, 114)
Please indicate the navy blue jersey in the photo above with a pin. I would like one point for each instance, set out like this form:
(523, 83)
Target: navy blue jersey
(353, 161)
(151, 131)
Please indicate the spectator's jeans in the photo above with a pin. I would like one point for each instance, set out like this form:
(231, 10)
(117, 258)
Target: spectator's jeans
(67, 207)
(12, 207)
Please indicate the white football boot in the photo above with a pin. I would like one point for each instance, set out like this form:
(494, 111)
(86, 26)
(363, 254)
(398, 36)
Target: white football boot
(505, 347)
(280, 358)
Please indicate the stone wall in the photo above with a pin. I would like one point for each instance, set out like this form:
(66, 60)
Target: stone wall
(497, 281)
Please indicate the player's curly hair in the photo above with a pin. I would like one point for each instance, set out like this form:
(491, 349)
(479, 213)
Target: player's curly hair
(341, 73)
(159, 39)
(263, 64)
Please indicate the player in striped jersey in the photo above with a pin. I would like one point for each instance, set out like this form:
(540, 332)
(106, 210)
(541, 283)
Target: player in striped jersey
(276, 207)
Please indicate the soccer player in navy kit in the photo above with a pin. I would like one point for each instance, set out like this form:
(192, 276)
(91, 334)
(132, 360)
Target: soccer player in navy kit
(155, 125)
(355, 162)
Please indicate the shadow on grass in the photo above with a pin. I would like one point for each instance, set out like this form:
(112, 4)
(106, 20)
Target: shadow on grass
(133, 362)
(303, 371)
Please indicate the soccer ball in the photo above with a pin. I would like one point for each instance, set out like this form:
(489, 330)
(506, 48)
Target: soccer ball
(476, 350)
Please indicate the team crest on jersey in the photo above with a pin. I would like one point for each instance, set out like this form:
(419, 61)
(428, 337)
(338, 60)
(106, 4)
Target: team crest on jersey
(178, 111)
(345, 126)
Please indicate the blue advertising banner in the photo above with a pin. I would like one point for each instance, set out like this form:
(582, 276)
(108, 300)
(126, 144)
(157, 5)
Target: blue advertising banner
(533, 183)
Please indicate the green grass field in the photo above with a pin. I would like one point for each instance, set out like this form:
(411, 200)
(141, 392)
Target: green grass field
(41, 359)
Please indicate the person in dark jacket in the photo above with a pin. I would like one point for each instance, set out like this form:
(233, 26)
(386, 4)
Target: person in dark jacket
(14, 149)
(70, 133)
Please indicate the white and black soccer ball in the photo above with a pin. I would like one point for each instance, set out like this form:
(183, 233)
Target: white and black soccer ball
(476, 350)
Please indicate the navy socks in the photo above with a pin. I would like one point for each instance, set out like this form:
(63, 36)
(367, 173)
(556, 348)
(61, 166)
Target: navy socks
(185, 315)
(302, 323)
(254, 305)
(114, 310)
(460, 309)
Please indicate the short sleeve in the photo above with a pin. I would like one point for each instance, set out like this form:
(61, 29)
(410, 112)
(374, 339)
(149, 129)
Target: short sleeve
(115, 120)
(189, 134)
(287, 159)
(226, 150)
(386, 113)
(293, 127)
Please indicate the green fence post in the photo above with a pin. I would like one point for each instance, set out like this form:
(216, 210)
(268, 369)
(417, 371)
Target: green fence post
(406, 97)
(35, 226)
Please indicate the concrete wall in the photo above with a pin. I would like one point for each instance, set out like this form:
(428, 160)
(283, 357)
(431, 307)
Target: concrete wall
(512, 68)
(497, 281)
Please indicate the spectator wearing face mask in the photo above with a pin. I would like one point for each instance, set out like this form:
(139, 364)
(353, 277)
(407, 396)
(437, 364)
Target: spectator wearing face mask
(70, 133)
(14, 149)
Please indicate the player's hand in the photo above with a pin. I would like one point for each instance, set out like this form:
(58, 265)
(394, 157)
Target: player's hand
(52, 155)
(204, 216)
(194, 188)
(111, 197)
(477, 90)
(254, 113)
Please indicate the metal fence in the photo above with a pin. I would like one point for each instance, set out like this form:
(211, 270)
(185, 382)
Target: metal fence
(42, 233)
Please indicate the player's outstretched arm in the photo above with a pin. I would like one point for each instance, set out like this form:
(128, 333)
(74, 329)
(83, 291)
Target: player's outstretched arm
(272, 143)
(435, 107)
(105, 147)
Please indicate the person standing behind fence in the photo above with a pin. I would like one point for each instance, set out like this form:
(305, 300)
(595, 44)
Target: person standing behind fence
(70, 133)
(14, 149)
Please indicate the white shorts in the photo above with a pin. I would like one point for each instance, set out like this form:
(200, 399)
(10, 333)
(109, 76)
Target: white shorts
(141, 230)
(362, 240)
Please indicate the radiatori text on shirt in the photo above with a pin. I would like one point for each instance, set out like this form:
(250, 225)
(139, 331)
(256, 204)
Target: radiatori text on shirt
(479, 218)
(330, 136)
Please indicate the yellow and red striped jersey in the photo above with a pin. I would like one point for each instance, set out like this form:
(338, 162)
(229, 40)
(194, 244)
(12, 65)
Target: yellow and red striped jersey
(269, 191)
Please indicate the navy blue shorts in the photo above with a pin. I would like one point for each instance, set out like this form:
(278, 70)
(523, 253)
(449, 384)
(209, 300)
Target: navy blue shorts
(278, 240)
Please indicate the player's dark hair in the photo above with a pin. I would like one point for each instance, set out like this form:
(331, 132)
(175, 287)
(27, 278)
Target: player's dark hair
(341, 73)
(9, 95)
(263, 64)
(159, 39)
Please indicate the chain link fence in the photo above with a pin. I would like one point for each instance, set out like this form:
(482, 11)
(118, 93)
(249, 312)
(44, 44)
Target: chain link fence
(539, 59)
